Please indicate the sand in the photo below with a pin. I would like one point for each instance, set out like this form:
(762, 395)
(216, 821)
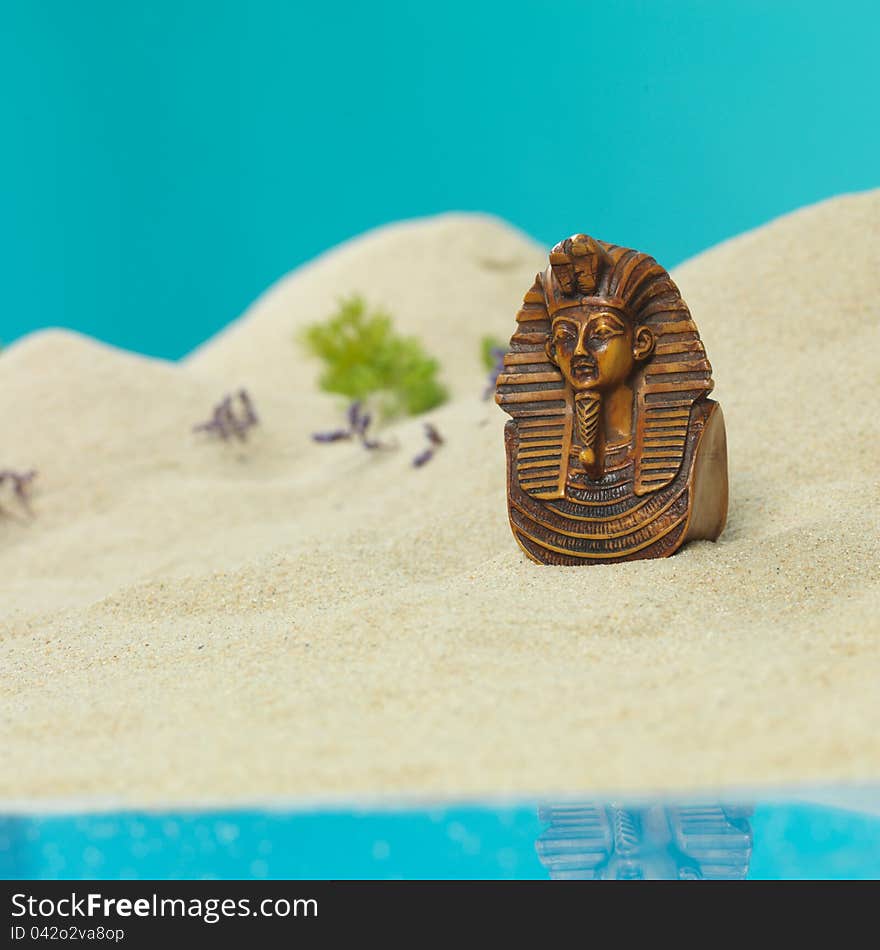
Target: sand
(188, 621)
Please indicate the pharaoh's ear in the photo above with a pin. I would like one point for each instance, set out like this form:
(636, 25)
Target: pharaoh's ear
(550, 349)
(643, 344)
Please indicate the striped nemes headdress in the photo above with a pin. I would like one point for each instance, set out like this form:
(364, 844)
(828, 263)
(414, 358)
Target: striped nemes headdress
(534, 392)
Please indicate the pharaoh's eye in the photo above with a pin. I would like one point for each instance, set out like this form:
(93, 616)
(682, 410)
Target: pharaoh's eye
(565, 333)
(604, 330)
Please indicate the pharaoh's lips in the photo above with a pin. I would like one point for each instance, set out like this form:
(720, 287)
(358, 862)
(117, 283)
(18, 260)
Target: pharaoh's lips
(583, 369)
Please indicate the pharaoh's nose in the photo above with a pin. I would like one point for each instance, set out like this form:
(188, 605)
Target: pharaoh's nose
(581, 348)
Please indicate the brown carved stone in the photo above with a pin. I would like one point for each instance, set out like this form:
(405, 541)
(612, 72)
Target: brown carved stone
(614, 450)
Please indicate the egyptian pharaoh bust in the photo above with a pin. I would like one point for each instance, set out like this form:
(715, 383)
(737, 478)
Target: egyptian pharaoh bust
(614, 450)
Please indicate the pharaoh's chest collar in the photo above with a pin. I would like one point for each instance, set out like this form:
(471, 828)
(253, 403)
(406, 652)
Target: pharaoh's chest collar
(618, 466)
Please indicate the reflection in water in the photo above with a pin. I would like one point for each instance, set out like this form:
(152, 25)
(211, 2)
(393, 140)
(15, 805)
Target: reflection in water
(657, 842)
(824, 833)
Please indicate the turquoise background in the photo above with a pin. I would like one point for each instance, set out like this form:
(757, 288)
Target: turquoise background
(164, 162)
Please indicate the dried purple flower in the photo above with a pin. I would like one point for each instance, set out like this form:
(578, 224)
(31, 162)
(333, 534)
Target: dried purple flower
(435, 440)
(354, 415)
(249, 414)
(229, 420)
(21, 485)
(433, 435)
(337, 435)
(358, 423)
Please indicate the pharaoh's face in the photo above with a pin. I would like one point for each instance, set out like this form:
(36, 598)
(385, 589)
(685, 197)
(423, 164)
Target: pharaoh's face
(597, 348)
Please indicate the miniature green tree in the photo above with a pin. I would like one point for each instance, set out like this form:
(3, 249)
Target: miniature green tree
(364, 358)
(490, 346)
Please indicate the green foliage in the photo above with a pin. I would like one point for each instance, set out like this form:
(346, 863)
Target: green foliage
(364, 358)
(487, 345)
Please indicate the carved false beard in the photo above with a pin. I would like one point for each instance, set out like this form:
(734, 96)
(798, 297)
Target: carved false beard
(588, 413)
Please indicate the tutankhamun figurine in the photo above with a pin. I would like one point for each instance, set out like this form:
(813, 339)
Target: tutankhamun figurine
(614, 450)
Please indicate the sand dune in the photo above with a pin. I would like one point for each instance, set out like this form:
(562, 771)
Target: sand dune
(447, 279)
(185, 620)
